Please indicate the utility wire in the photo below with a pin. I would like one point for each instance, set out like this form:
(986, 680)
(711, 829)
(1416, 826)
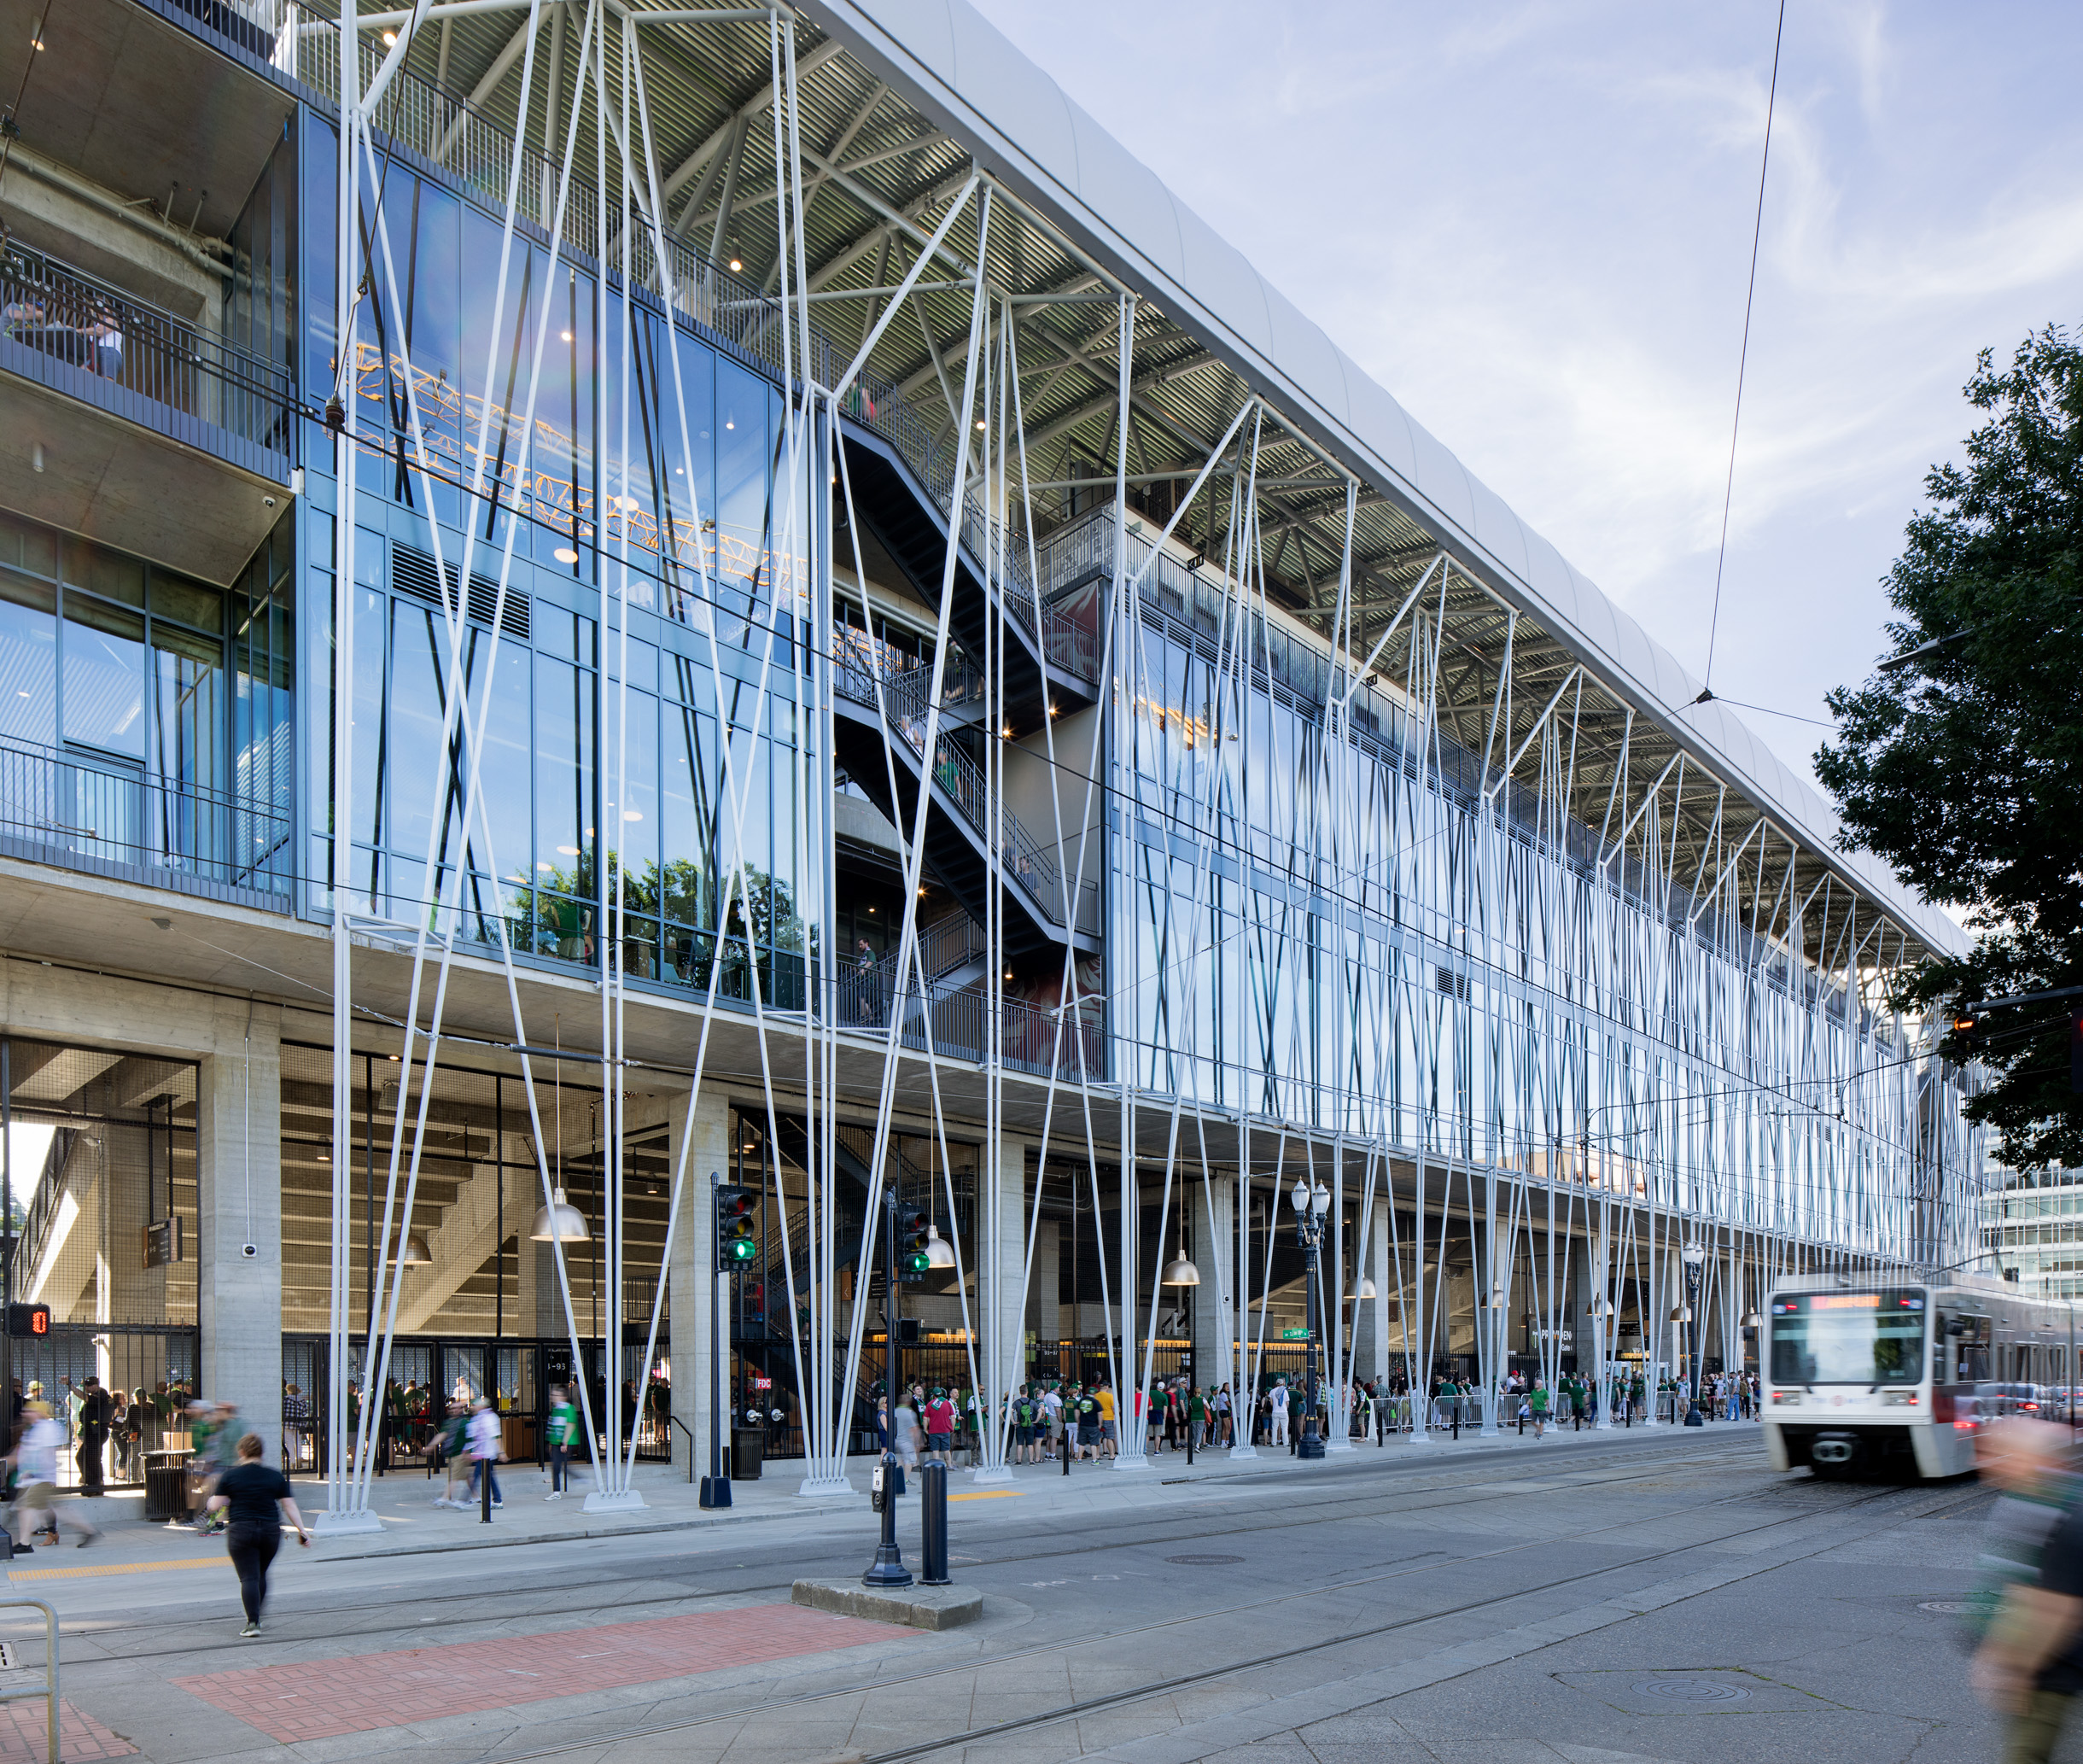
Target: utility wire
(1757, 232)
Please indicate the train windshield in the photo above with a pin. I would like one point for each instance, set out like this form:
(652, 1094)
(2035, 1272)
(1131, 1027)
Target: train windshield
(1848, 1338)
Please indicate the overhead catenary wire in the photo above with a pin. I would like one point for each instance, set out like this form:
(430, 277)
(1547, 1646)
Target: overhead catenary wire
(1750, 295)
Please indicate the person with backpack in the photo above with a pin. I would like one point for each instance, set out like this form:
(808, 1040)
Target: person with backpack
(1086, 1407)
(560, 1434)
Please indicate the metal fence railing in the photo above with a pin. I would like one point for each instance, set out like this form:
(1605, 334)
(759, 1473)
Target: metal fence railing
(78, 334)
(90, 809)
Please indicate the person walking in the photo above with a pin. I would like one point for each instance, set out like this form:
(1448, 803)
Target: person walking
(559, 1432)
(449, 1447)
(1278, 1398)
(35, 1460)
(1197, 1417)
(482, 1442)
(1537, 1400)
(254, 1499)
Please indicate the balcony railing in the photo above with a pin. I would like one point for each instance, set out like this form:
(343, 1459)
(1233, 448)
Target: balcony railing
(87, 813)
(78, 335)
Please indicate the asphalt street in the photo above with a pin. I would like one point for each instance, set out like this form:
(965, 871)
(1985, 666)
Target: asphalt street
(1607, 1599)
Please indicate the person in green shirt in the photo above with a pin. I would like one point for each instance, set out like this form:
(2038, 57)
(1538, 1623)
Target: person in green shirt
(560, 1433)
(1197, 1418)
(1536, 1399)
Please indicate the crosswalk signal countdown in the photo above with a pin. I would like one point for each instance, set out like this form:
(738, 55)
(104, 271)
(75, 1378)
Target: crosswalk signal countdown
(27, 1320)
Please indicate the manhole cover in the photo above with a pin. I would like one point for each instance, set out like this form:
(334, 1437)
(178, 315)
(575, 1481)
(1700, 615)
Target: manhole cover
(1705, 1691)
(1203, 1561)
(1950, 1607)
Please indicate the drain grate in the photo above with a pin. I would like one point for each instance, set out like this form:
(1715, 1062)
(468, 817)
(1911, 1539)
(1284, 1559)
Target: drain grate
(1683, 1690)
(1203, 1561)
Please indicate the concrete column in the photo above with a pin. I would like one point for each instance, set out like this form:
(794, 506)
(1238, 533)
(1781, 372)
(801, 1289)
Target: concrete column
(691, 1274)
(1001, 1307)
(1371, 1315)
(1044, 1290)
(238, 1206)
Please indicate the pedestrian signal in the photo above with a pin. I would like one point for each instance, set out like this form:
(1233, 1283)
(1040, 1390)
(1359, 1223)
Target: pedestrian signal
(736, 1244)
(29, 1320)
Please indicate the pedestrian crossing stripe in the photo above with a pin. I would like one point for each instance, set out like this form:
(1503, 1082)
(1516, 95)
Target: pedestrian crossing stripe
(113, 1568)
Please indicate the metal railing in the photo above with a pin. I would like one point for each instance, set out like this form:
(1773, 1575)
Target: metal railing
(76, 334)
(49, 1689)
(85, 811)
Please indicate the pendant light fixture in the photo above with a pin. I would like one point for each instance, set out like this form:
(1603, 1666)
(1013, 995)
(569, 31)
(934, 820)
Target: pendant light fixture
(1179, 1270)
(560, 1222)
(939, 1253)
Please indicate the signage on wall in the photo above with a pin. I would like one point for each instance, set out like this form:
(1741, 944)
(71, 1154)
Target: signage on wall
(1294, 1334)
(162, 1243)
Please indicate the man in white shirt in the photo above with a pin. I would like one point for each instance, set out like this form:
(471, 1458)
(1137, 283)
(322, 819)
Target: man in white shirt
(485, 1447)
(35, 1458)
(1279, 1412)
(1051, 1404)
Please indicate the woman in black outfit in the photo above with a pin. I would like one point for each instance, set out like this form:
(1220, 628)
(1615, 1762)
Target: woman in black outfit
(257, 1496)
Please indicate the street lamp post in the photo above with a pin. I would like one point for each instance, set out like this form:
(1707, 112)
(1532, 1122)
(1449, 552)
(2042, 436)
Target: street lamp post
(1695, 1257)
(1311, 1201)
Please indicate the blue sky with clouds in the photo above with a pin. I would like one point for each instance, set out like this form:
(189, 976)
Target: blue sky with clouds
(1533, 225)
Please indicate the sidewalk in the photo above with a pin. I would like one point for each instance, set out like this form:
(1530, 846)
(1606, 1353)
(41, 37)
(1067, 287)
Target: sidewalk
(412, 1525)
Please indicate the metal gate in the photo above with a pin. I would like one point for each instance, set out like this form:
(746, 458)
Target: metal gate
(148, 1374)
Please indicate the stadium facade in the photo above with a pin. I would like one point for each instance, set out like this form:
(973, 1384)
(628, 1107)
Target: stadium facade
(599, 597)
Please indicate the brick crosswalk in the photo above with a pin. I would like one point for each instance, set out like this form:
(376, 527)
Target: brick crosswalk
(23, 1726)
(359, 1693)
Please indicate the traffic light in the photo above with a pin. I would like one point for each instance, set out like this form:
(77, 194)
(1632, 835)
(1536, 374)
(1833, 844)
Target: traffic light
(1965, 1025)
(29, 1320)
(736, 1245)
(912, 1236)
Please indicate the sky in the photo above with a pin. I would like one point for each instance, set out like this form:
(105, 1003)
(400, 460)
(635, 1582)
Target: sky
(1533, 225)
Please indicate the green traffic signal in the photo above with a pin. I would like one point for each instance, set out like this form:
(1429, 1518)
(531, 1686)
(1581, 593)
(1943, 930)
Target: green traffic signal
(741, 1249)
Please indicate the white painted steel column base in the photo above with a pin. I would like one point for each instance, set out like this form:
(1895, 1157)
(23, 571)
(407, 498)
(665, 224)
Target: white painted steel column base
(825, 1488)
(1244, 1451)
(1331, 1445)
(341, 1525)
(1125, 1462)
(620, 1500)
(996, 1478)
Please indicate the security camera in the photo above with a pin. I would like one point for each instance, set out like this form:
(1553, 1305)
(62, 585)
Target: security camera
(267, 502)
(249, 1250)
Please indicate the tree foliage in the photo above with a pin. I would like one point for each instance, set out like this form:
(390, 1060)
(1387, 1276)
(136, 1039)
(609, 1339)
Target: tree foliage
(1963, 766)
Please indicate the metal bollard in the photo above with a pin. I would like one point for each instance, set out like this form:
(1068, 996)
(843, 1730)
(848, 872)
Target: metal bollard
(484, 1491)
(933, 1525)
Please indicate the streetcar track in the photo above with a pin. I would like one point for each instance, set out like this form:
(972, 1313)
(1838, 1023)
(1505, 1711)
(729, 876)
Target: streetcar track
(1157, 1688)
(1410, 1502)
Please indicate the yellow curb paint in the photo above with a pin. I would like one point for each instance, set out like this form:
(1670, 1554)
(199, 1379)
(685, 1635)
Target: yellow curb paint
(982, 1494)
(113, 1568)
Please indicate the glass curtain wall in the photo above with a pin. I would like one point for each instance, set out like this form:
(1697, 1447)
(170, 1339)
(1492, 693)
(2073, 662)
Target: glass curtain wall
(604, 765)
(147, 717)
(1366, 944)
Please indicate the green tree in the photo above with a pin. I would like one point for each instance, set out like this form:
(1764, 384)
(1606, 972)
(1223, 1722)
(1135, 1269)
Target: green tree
(1961, 761)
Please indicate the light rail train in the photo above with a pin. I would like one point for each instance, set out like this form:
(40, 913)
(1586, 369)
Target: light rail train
(1896, 1377)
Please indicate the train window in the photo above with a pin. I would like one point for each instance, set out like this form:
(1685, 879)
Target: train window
(1848, 1338)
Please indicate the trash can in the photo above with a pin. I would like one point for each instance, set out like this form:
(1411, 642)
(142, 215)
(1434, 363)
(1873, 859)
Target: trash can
(165, 1486)
(747, 1445)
